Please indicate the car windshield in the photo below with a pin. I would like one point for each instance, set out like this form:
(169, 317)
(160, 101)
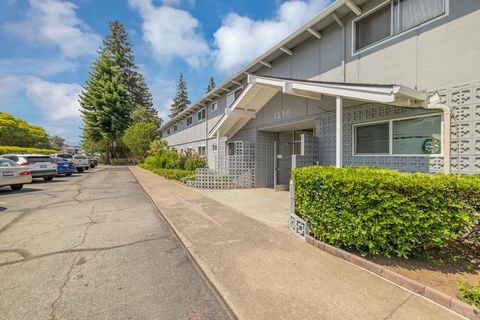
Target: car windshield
(38, 159)
(80, 157)
(59, 160)
(65, 156)
(7, 163)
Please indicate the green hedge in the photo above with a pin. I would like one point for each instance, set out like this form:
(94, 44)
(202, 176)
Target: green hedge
(13, 149)
(172, 174)
(381, 211)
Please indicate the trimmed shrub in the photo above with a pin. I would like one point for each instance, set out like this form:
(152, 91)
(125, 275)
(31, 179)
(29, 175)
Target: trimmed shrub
(13, 149)
(167, 159)
(382, 211)
(172, 174)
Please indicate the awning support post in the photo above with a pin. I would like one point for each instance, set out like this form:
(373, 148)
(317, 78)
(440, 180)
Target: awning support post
(339, 132)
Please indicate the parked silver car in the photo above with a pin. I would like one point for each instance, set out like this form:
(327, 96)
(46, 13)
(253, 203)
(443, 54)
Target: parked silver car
(13, 175)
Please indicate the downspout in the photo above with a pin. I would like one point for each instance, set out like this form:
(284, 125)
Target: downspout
(447, 120)
(344, 39)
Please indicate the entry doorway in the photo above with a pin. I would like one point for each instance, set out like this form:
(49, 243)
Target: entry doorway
(287, 145)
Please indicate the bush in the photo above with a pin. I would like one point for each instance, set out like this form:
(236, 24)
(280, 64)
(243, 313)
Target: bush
(167, 159)
(172, 174)
(194, 161)
(12, 149)
(381, 211)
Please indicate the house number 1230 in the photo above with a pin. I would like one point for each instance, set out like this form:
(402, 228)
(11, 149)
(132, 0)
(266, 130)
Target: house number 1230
(282, 114)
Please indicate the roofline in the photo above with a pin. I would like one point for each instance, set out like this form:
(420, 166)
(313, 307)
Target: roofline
(244, 71)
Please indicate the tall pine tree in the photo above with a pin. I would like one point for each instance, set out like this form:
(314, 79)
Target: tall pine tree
(180, 101)
(211, 84)
(117, 46)
(105, 105)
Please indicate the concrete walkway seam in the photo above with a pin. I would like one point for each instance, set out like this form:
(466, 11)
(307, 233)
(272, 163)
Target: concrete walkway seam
(220, 298)
(432, 294)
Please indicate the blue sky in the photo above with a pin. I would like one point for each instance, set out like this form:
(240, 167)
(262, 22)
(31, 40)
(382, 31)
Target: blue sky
(47, 47)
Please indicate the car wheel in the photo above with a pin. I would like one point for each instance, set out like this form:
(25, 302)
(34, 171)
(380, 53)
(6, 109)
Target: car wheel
(68, 174)
(92, 167)
(86, 168)
(50, 178)
(16, 187)
(80, 170)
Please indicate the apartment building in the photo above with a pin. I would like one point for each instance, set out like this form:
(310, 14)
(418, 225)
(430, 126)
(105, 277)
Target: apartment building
(391, 84)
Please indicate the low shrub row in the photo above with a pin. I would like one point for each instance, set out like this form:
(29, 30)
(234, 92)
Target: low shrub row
(172, 174)
(381, 211)
(13, 149)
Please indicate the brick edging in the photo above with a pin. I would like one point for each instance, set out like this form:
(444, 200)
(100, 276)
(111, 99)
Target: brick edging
(441, 298)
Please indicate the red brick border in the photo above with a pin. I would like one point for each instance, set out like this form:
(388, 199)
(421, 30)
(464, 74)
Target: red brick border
(441, 298)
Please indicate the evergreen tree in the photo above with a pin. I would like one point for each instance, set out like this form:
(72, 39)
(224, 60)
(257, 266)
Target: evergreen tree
(117, 46)
(211, 84)
(180, 101)
(105, 105)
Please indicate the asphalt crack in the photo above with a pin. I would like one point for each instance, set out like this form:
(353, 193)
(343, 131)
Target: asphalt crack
(54, 305)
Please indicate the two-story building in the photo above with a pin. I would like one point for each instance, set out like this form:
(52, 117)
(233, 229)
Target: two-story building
(388, 83)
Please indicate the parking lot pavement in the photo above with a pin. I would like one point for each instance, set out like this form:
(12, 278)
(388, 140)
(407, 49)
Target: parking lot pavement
(92, 246)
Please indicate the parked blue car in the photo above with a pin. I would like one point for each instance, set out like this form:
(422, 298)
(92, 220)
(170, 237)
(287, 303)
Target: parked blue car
(64, 166)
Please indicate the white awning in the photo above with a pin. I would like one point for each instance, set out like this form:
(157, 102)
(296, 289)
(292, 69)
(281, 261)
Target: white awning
(261, 89)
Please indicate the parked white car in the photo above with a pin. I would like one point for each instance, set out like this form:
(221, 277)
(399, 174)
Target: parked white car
(81, 162)
(39, 165)
(13, 175)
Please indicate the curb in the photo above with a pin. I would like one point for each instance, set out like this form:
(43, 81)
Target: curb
(436, 296)
(196, 264)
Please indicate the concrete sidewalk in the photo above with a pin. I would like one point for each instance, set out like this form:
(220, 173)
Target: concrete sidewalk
(263, 273)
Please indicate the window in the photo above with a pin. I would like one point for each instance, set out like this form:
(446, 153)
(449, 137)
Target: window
(412, 136)
(394, 17)
(168, 131)
(201, 115)
(175, 128)
(417, 136)
(232, 96)
(214, 106)
(201, 150)
(374, 27)
(189, 121)
(372, 139)
(214, 147)
(235, 148)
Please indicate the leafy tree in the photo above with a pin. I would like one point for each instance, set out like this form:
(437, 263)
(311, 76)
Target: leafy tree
(211, 84)
(180, 101)
(105, 105)
(17, 132)
(139, 136)
(117, 46)
(57, 142)
(142, 114)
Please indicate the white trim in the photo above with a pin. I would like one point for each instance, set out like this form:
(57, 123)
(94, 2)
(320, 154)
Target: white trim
(186, 121)
(354, 52)
(214, 103)
(390, 137)
(204, 116)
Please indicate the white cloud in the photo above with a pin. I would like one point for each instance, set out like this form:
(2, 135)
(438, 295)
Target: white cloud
(241, 39)
(55, 23)
(57, 101)
(172, 32)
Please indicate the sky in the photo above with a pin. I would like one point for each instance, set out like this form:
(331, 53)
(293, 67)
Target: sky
(47, 48)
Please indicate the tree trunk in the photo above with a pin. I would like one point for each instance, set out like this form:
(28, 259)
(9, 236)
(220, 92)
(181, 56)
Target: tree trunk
(107, 153)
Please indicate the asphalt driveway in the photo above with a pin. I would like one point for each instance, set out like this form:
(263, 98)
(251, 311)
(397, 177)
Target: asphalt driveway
(93, 246)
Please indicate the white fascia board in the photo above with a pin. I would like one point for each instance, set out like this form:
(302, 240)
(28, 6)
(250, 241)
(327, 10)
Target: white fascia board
(278, 84)
(411, 93)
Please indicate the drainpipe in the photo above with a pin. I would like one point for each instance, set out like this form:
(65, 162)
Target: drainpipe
(447, 114)
(344, 37)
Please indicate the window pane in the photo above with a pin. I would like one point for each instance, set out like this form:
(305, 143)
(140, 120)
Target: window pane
(410, 13)
(417, 136)
(374, 27)
(372, 139)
